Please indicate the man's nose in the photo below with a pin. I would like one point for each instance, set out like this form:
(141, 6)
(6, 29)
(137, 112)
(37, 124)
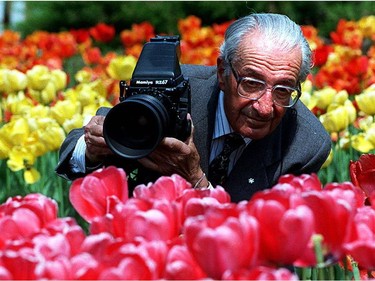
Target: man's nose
(264, 106)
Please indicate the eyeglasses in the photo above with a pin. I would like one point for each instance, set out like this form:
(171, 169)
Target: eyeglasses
(254, 89)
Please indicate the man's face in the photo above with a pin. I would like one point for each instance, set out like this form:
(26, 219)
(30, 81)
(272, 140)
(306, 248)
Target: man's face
(266, 62)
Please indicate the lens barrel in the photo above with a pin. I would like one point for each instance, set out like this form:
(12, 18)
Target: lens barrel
(134, 127)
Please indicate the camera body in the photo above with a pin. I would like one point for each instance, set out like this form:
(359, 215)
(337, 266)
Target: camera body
(155, 104)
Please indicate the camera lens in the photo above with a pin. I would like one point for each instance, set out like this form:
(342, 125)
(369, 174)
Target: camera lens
(134, 127)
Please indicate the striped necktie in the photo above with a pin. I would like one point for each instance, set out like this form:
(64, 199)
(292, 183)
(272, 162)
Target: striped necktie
(218, 169)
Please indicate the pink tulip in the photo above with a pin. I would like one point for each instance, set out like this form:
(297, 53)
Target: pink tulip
(304, 182)
(362, 173)
(21, 224)
(169, 188)
(181, 265)
(71, 231)
(286, 226)
(85, 267)
(137, 262)
(260, 273)
(59, 269)
(219, 242)
(362, 245)
(89, 195)
(130, 268)
(43, 207)
(114, 221)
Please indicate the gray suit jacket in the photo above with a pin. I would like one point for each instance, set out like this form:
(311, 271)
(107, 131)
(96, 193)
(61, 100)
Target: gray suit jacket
(299, 145)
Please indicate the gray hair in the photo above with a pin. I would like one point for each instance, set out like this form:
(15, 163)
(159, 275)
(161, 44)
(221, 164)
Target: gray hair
(278, 28)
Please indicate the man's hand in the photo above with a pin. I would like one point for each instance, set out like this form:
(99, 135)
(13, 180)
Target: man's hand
(96, 147)
(174, 156)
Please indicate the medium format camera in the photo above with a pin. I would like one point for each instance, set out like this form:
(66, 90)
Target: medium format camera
(155, 104)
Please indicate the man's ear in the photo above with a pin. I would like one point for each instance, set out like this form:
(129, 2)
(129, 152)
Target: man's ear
(220, 73)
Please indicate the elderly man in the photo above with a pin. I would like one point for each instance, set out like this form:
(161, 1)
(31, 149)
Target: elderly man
(252, 96)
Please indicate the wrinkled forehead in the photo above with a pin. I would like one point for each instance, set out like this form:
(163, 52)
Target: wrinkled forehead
(267, 43)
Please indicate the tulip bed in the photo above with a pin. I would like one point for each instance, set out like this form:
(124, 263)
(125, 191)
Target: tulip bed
(322, 224)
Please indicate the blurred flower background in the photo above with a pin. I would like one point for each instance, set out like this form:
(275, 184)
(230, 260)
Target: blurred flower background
(52, 81)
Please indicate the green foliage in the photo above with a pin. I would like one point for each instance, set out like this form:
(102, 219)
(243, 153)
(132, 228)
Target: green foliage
(56, 16)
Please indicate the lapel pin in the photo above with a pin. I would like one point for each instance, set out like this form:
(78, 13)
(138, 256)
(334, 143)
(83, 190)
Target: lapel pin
(251, 180)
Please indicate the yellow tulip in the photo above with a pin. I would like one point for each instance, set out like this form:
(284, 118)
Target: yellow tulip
(65, 109)
(336, 119)
(59, 79)
(39, 111)
(49, 133)
(361, 143)
(48, 94)
(370, 134)
(38, 77)
(324, 97)
(352, 112)
(31, 175)
(340, 97)
(86, 95)
(365, 122)
(18, 104)
(122, 67)
(52, 137)
(366, 100)
(83, 76)
(20, 158)
(4, 82)
(99, 87)
(35, 145)
(367, 25)
(17, 81)
(5, 145)
(18, 130)
(73, 123)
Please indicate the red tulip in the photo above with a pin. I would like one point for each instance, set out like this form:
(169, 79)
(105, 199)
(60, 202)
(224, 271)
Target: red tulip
(340, 188)
(81, 35)
(5, 274)
(219, 242)
(362, 246)
(333, 217)
(90, 195)
(102, 32)
(362, 173)
(286, 226)
(20, 262)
